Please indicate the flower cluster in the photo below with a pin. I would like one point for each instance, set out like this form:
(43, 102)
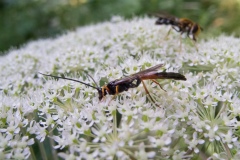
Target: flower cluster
(197, 118)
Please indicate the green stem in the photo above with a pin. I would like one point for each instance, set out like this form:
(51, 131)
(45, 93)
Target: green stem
(115, 123)
(53, 129)
(53, 151)
(129, 153)
(32, 157)
(137, 134)
(42, 150)
(222, 109)
(92, 145)
(140, 140)
(137, 147)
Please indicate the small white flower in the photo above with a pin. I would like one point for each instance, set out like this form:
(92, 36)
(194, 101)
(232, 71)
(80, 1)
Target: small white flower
(193, 143)
(229, 138)
(212, 133)
(163, 141)
(142, 154)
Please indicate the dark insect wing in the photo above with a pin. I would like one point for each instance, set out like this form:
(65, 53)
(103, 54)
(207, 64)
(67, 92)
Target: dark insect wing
(132, 77)
(127, 79)
(154, 68)
(165, 15)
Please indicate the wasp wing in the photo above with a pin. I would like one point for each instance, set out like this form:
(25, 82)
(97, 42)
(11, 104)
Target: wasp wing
(132, 77)
(154, 68)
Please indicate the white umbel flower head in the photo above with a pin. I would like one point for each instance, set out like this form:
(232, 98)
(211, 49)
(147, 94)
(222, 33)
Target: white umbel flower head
(189, 119)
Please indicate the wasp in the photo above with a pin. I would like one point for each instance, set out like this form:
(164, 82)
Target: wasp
(124, 84)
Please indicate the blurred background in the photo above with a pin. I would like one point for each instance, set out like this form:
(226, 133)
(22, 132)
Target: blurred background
(25, 20)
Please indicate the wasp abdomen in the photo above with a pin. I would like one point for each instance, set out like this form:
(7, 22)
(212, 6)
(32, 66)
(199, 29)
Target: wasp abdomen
(171, 75)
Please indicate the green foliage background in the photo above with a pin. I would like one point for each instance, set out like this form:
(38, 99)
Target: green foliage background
(25, 20)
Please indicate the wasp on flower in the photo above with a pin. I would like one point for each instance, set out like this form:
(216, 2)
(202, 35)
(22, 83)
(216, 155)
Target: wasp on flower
(123, 84)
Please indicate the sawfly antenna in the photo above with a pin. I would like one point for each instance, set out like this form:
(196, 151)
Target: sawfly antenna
(97, 88)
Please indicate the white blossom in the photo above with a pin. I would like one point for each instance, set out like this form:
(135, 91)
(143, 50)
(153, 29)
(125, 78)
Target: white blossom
(187, 118)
